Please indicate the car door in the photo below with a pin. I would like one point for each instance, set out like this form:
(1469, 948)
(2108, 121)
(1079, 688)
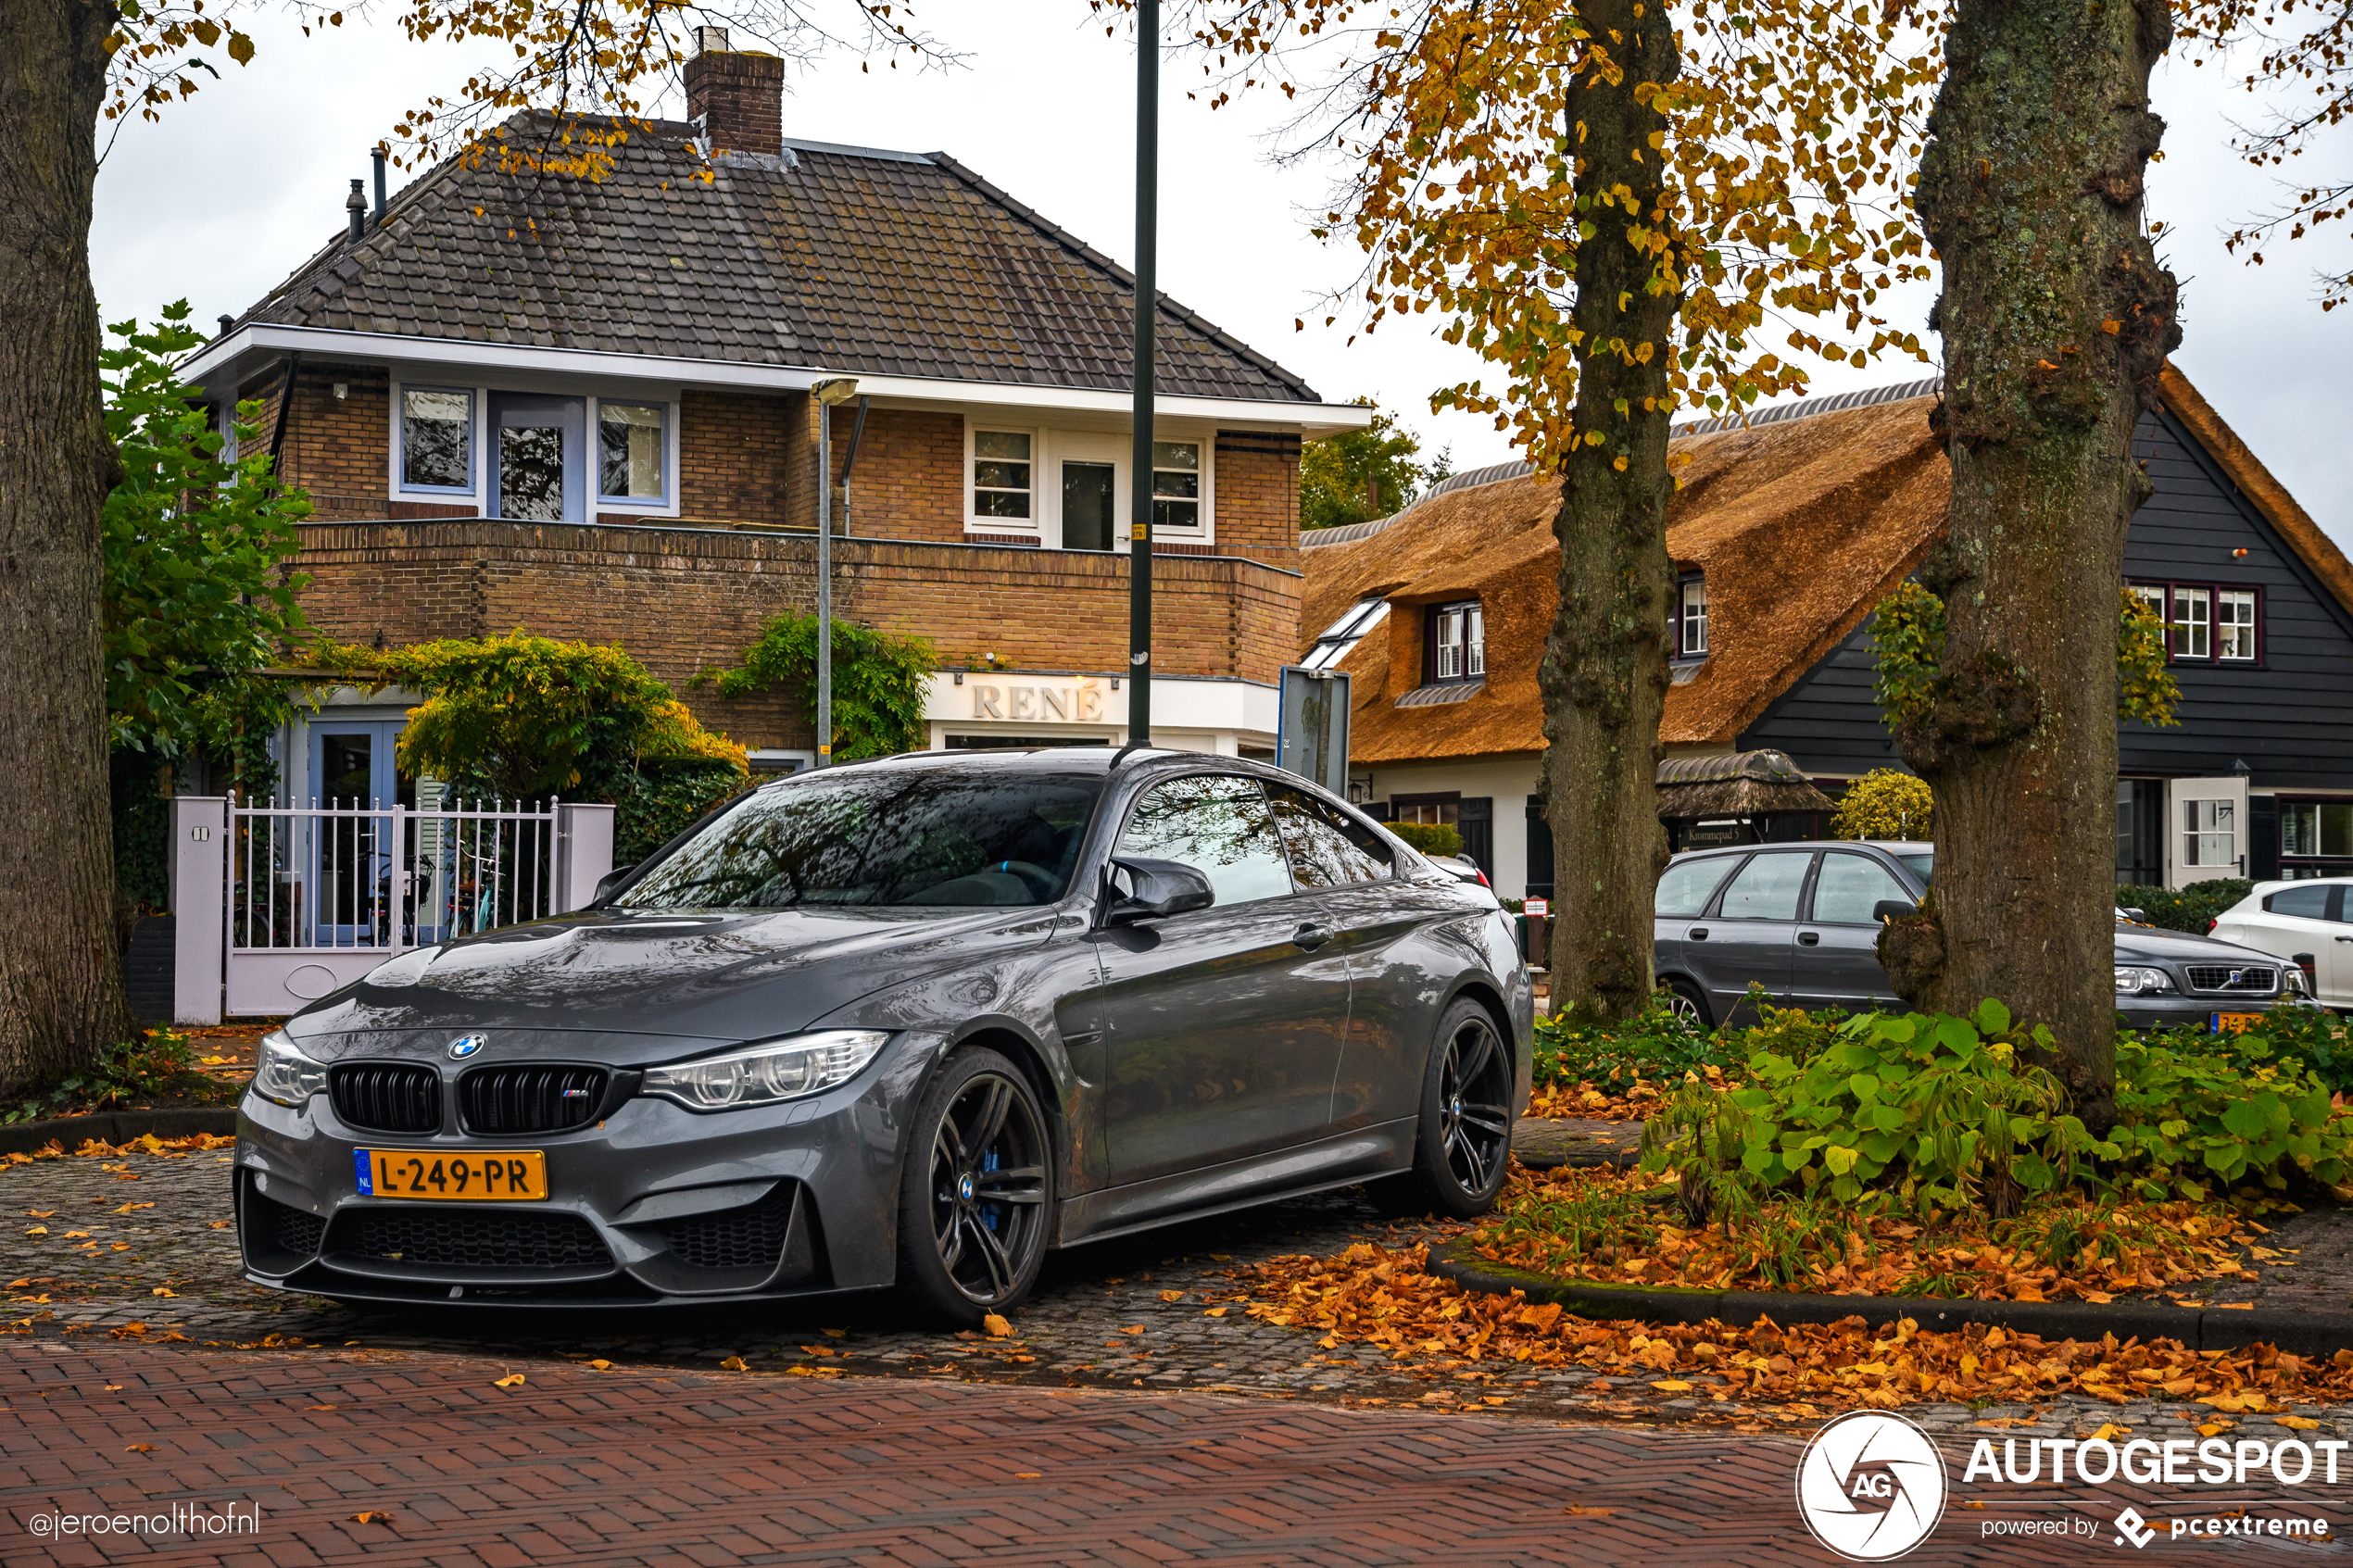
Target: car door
(1751, 932)
(1685, 889)
(1220, 1026)
(1835, 961)
(1349, 886)
(2303, 922)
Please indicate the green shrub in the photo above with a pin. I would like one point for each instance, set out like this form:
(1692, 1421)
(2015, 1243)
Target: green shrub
(1430, 838)
(1657, 1046)
(658, 799)
(158, 1064)
(1885, 802)
(1911, 1110)
(2191, 908)
(2188, 1118)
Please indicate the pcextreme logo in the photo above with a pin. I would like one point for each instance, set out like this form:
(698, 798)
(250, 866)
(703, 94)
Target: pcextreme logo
(1870, 1485)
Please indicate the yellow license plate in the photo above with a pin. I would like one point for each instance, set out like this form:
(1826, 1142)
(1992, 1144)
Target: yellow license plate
(2233, 1022)
(452, 1174)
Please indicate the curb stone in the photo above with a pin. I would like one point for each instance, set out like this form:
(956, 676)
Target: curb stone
(118, 1127)
(2310, 1333)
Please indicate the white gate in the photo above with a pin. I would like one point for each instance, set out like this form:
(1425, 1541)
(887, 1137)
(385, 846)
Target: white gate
(311, 897)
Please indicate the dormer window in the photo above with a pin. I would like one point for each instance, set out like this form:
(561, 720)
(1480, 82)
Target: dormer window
(1343, 635)
(1458, 642)
(1687, 618)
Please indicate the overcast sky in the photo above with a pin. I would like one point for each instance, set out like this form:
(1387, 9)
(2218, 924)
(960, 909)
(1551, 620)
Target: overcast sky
(239, 184)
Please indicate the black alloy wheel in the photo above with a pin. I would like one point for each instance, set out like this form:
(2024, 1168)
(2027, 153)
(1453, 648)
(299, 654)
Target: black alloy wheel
(1464, 1146)
(1684, 1006)
(976, 1200)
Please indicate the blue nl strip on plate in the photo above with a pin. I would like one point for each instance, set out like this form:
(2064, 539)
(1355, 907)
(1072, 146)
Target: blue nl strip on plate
(367, 1183)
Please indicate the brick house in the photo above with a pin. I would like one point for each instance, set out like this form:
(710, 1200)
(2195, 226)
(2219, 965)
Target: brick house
(1786, 534)
(583, 407)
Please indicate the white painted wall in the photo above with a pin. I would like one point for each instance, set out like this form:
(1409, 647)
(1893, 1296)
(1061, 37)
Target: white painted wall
(1509, 782)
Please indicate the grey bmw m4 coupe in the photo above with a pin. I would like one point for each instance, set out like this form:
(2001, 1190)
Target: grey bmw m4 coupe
(905, 1024)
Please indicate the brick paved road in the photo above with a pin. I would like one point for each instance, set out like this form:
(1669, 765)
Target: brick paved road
(694, 1469)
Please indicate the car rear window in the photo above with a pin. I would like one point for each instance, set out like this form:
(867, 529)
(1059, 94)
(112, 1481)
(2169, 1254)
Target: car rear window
(892, 836)
(2310, 903)
(1683, 891)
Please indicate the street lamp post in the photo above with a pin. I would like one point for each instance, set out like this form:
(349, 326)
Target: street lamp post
(1139, 512)
(830, 394)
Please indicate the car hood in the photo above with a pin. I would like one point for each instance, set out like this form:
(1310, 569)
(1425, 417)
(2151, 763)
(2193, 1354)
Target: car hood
(2142, 943)
(641, 982)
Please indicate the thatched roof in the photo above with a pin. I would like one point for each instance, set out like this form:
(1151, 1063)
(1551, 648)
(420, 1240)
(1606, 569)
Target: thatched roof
(1737, 784)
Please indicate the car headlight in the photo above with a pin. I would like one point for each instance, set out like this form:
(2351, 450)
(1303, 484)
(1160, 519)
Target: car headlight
(766, 1074)
(285, 1074)
(2133, 981)
(2293, 976)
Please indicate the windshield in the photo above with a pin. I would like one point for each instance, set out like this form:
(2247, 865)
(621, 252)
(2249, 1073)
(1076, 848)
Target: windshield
(900, 835)
(1921, 865)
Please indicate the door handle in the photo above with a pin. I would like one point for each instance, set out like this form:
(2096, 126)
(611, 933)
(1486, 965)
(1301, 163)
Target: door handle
(1310, 936)
(1809, 939)
(2346, 938)
(1697, 934)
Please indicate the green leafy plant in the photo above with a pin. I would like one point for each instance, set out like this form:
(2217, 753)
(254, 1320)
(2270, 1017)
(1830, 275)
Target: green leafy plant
(1654, 1045)
(1886, 803)
(1361, 475)
(879, 682)
(2191, 1119)
(1912, 1110)
(159, 1064)
(1430, 838)
(2191, 908)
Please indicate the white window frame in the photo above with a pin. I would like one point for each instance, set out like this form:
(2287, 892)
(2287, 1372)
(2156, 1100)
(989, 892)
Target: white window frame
(1692, 596)
(666, 504)
(477, 401)
(975, 523)
(1206, 445)
(1469, 648)
(2198, 629)
(2210, 825)
(2235, 631)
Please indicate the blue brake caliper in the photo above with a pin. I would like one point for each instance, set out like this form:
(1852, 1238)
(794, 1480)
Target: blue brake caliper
(989, 1162)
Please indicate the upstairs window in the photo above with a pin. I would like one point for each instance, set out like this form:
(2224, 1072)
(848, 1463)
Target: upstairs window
(436, 439)
(1001, 483)
(1176, 484)
(1343, 635)
(2206, 623)
(1687, 620)
(632, 451)
(1458, 642)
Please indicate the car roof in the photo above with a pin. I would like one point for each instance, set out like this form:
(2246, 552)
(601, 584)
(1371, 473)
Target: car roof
(1067, 759)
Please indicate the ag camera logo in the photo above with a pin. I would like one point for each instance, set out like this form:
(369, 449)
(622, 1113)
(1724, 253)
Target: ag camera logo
(1870, 1487)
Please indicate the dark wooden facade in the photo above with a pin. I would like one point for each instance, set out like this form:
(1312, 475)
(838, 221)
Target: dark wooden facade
(2287, 716)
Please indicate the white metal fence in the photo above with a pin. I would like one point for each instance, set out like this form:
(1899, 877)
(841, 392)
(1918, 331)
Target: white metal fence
(303, 899)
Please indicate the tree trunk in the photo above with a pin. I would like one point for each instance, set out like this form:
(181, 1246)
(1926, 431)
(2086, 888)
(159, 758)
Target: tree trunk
(61, 998)
(2056, 319)
(1605, 670)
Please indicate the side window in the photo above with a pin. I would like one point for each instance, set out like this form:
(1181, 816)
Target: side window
(1683, 891)
(1328, 848)
(1767, 888)
(1219, 826)
(2304, 903)
(1850, 886)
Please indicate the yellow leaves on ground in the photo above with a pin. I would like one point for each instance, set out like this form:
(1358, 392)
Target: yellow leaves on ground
(98, 1149)
(735, 1364)
(600, 1365)
(512, 1380)
(1380, 1297)
(38, 1230)
(1172, 1296)
(140, 1448)
(371, 1516)
(1602, 1223)
(1610, 1103)
(163, 1290)
(131, 1207)
(996, 1326)
(2109, 1432)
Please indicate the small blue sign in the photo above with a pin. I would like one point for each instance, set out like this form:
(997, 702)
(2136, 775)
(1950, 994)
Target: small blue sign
(367, 1183)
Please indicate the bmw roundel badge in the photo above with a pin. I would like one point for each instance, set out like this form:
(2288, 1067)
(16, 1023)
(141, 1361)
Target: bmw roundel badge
(465, 1045)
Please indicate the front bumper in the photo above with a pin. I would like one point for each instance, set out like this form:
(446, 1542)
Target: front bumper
(2173, 1010)
(655, 1204)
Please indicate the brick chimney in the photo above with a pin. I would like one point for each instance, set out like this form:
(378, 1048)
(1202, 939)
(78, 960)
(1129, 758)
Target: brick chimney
(737, 99)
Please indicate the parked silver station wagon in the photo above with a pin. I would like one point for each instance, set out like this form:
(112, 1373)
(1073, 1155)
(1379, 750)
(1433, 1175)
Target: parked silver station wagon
(1802, 921)
(908, 1023)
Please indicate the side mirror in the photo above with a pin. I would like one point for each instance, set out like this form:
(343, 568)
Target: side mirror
(1161, 887)
(1894, 909)
(607, 883)
(2135, 914)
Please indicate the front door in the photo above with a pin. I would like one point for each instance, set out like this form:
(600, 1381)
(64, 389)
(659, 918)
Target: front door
(352, 849)
(1222, 1030)
(2207, 826)
(537, 457)
(1090, 500)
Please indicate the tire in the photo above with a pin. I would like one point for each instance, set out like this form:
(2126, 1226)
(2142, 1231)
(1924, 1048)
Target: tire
(1461, 1148)
(1686, 1003)
(976, 1194)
